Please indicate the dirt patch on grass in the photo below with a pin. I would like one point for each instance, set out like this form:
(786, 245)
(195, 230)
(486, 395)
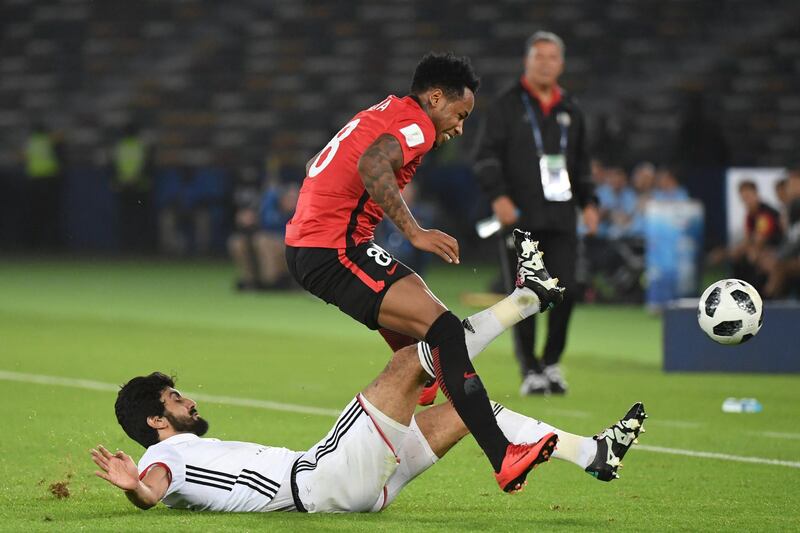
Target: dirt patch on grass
(59, 489)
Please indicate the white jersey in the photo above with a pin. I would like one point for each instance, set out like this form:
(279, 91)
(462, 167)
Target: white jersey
(347, 471)
(215, 475)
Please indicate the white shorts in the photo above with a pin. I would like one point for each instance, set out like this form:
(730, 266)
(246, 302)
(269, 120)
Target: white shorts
(346, 471)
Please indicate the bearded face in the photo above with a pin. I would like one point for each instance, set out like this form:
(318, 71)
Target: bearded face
(188, 424)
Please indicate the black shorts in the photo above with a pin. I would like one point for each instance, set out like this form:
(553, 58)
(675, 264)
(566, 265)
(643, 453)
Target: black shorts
(353, 279)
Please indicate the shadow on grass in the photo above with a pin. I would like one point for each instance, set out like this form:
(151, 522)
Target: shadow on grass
(465, 519)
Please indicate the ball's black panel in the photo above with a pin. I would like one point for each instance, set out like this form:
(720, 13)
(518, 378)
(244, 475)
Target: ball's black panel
(729, 328)
(713, 301)
(746, 337)
(744, 301)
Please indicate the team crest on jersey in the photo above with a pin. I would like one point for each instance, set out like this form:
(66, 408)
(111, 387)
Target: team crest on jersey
(413, 135)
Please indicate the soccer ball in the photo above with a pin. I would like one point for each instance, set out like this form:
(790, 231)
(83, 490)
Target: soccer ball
(730, 311)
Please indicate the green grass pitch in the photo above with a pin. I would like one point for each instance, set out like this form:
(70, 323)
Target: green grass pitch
(107, 321)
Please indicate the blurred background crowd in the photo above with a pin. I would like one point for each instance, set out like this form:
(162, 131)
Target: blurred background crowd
(182, 128)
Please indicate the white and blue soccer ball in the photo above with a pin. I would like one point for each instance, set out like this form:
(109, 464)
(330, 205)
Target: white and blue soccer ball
(730, 311)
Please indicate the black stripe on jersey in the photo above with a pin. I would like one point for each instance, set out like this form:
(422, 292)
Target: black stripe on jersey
(497, 409)
(195, 475)
(259, 476)
(334, 438)
(341, 429)
(353, 409)
(263, 488)
(331, 449)
(311, 464)
(198, 482)
(248, 478)
(256, 488)
(353, 223)
(207, 471)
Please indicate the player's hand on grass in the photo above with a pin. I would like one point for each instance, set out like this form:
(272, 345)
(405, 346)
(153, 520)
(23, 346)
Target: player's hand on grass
(118, 468)
(437, 242)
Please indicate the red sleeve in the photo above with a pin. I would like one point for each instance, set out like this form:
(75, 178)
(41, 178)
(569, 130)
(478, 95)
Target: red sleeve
(162, 465)
(415, 133)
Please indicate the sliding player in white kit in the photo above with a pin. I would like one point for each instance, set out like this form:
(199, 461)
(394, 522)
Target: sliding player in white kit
(377, 446)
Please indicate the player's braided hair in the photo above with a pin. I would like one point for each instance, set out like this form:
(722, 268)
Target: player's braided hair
(138, 399)
(445, 71)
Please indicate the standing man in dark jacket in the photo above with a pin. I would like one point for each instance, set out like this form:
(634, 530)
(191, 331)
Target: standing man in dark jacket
(532, 163)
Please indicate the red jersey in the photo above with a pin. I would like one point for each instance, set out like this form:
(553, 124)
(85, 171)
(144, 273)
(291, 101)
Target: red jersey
(334, 209)
(764, 224)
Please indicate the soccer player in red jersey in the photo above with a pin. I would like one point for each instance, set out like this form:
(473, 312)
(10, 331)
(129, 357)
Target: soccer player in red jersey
(350, 184)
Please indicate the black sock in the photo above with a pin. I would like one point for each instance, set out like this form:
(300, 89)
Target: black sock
(463, 387)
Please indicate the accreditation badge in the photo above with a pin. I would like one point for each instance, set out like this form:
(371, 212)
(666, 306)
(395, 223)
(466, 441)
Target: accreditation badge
(555, 178)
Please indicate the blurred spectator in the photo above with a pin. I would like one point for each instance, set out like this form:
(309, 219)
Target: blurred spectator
(393, 240)
(617, 204)
(184, 221)
(246, 201)
(614, 261)
(782, 194)
(598, 171)
(783, 267)
(256, 244)
(132, 185)
(644, 182)
(668, 188)
(762, 235)
(277, 208)
(44, 164)
(643, 179)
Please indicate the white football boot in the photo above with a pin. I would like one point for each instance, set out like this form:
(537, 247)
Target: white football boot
(531, 272)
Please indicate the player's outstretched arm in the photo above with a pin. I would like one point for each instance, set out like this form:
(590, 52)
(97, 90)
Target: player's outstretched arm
(377, 167)
(120, 470)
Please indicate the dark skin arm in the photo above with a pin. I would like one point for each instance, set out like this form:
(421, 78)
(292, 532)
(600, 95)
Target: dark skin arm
(377, 167)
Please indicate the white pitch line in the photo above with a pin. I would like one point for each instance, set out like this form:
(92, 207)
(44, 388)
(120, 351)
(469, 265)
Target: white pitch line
(722, 456)
(292, 408)
(264, 404)
(54, 380)
(777, 434)
(110, 387)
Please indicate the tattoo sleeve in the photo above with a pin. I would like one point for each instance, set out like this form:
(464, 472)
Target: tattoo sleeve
(377, 167)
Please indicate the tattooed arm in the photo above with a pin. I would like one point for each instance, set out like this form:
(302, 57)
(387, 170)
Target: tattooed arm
(377, 167)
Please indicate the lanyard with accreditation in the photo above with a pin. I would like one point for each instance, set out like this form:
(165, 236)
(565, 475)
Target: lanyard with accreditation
(552, 167)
